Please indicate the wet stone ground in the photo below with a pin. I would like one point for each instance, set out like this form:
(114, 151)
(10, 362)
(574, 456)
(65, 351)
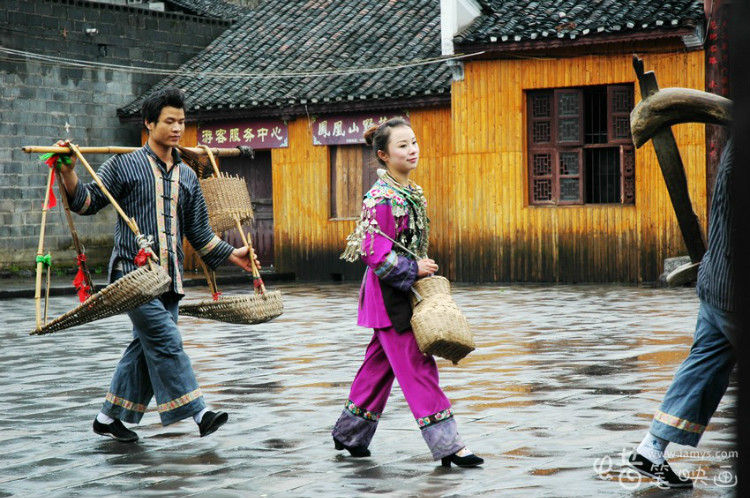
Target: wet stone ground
(564, 379)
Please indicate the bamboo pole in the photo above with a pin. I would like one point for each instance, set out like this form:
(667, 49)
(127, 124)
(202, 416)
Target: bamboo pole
(34, 149)
(74, 235)
(251, 255)
(211, 158)
(130, 221)
(245, 240)
(40, 252)
(210, 278)
(46, 292)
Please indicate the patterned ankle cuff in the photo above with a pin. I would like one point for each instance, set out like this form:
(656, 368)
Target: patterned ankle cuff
(359, 412)
(440, 416)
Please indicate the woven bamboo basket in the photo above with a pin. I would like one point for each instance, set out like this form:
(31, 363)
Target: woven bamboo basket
(430, 287)
(227, 199)
(229, 207)
(439, 326)
(129, 292)
(250, 309)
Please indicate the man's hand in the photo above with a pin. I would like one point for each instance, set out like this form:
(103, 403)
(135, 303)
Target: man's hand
(239, 258)
(426, 267)
(68, 175)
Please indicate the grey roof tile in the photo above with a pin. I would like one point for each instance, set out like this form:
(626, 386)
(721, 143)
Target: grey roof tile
(218, 9)
(283, 36)
(513, 21)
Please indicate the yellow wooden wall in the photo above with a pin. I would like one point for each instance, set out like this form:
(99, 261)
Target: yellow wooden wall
(306, 240)
(473, 170)
(497, 236)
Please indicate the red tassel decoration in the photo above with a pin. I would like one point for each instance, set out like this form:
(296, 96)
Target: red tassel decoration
(51, 162)
(142, 257)
(84, 291)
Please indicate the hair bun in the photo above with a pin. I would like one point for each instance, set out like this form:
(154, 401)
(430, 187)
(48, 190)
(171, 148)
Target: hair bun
(369, 134)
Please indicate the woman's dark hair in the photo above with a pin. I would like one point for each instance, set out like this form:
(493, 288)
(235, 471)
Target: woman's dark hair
(154, 103)
(378, 136)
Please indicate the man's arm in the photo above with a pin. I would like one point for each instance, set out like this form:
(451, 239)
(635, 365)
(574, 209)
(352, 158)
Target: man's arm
(88, 199)
(212, 249)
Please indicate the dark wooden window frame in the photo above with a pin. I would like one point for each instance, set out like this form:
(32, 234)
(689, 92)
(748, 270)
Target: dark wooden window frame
(555, 132)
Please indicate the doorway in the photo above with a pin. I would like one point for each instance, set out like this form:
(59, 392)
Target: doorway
(257, 175)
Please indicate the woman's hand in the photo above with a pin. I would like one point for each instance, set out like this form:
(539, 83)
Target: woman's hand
(239, 258)
(426, 267)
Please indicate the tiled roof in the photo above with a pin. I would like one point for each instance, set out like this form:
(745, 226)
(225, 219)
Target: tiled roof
(317, 37)
(514, 21)
(218, 9)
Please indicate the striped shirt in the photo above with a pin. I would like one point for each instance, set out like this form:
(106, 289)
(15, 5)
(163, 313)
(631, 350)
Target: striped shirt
(716, 274)
(166, 205)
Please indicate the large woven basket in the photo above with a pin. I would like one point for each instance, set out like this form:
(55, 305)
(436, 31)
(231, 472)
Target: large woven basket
(248, 309)
(439, 326)
(228, 199)
(129, 292)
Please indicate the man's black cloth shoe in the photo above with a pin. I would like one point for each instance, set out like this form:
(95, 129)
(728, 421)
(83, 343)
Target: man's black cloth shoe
(116, 431)
(662, 472)
(212, 421)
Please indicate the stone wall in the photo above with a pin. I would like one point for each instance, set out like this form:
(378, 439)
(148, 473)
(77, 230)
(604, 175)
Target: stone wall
(44, 100)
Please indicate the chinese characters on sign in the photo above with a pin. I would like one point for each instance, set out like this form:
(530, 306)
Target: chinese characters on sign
(270, 134)
(347, 128)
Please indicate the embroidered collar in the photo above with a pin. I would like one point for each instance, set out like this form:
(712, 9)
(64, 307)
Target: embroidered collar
(176, 159)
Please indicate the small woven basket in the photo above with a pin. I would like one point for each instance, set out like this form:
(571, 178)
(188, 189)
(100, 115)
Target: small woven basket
(439, 326)
(129, 292)
(430, 287)
(227, 199)
(247, 310)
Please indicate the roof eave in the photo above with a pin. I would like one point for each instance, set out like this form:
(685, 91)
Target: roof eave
(691, 38)
(290, 111)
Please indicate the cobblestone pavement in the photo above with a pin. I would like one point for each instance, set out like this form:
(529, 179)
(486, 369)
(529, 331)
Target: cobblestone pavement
(564, 379)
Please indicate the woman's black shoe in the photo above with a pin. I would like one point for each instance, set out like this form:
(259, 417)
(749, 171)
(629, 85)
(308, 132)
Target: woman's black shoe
(470, 460)
(355, 451)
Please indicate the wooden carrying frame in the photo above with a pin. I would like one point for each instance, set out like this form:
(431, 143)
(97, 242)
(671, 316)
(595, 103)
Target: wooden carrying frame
(652, 119)
(229, 206)
(134, 289)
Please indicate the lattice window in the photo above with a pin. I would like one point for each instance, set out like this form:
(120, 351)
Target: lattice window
(619, 105)
(628, 175)
(541, 106)
(570, 163)
(569, 176)
(542, 175)
(569, 105)
(540, 112)
(542, 164)
(542, 190)
(541, 133)
(580, 148)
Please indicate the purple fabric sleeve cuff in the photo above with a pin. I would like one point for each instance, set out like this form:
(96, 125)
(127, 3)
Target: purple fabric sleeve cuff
(401, 272)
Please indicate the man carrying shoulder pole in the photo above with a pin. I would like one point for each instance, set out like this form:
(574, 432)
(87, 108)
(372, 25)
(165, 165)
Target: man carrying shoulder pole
(162, 194)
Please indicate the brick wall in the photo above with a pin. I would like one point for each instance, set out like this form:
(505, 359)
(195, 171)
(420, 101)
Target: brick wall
(43, 101)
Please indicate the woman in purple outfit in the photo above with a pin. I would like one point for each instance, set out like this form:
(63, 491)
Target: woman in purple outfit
(394, 209)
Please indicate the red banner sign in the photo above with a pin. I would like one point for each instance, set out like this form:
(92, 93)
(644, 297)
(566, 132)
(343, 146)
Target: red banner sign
(267, 134)
(347, 128)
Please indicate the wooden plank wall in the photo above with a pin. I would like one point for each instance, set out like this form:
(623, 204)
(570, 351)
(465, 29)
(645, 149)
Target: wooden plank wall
(473, 170)
(307, 241)
(497, 236)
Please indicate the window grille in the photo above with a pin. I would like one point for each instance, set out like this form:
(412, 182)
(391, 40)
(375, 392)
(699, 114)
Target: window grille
(580, 148)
